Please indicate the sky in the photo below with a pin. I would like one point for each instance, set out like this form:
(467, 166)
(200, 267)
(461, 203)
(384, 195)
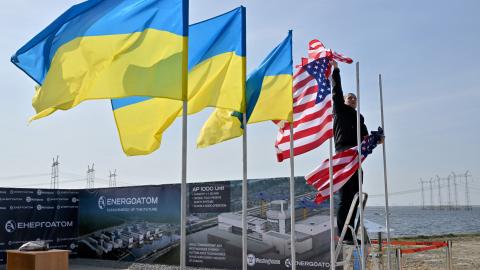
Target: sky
(426, 51)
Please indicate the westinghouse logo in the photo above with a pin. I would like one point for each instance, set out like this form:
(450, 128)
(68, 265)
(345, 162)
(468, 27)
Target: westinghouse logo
(44, 192)
(29, 199)
(252, 260)
(44, 207)
(11, 225)
(104, 202)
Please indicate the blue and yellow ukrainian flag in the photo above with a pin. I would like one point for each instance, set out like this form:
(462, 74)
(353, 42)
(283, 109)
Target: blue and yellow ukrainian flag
(216, 78)
(268, 93)
(108, 49)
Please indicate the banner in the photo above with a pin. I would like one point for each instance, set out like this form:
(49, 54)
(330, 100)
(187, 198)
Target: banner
(38, 214)
(215, 225)
(130, 224)
(142, 223)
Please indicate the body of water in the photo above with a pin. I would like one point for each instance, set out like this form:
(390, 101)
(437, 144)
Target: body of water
(413, 221)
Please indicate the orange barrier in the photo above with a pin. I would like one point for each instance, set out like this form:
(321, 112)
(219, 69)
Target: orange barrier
(428, 245)
(414, 250)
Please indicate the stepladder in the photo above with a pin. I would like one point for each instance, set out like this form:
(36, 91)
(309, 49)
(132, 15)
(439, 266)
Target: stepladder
(351, 252)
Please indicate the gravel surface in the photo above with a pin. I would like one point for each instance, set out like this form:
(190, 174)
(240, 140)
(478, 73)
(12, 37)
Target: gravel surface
(465, 254)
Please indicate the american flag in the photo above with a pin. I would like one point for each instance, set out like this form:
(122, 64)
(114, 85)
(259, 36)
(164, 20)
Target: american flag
(312, 110)
(316, 50)
(345, 164)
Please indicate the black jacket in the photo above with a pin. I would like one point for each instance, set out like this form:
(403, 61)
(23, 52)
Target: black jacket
(344, 118)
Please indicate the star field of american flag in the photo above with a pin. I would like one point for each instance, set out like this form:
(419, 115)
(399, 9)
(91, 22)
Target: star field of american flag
(317, 69)
(371, 142)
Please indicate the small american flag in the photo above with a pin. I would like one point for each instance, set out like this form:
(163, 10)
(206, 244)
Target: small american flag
(317, 50)
(312, 110)
(345, 164)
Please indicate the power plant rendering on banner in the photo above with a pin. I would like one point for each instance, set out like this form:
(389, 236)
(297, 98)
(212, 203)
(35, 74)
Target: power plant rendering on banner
(270, 236)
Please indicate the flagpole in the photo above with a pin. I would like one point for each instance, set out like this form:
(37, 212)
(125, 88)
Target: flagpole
(332, 202)
(244, 195)
(332, 225)
(387, 209)
(292, 200)
(360, 176)
(183, 185)
(244, 146)
(293, 238)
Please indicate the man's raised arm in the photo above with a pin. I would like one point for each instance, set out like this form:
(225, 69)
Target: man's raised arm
(338, 101)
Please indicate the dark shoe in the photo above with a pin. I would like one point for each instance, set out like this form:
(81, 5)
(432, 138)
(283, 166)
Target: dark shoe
(347, 242)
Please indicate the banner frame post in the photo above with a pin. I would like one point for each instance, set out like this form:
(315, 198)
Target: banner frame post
(449, 255)
(387, 207)
(399, 258)
(360, 178)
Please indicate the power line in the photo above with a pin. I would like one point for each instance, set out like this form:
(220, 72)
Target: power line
(23, 176)
(45, 183)
(403, 192)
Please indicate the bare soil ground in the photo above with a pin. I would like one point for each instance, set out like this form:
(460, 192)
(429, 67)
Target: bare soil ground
(465, 254)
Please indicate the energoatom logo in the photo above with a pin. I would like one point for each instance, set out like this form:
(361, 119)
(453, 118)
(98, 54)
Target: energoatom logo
(104, 202)
(11, 225)
(288, 263)
(101, 202)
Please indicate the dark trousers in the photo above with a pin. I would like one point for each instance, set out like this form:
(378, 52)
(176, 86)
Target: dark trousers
(347, 192)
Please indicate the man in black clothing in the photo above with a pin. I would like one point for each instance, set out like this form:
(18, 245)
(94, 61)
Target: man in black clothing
(345, 134)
